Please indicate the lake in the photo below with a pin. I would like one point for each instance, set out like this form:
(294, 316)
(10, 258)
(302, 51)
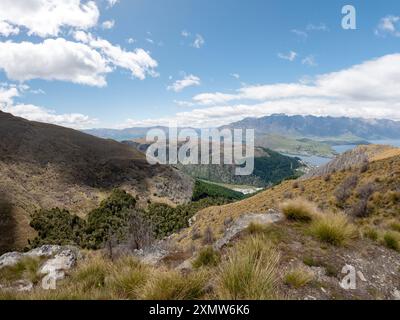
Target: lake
(320, 161)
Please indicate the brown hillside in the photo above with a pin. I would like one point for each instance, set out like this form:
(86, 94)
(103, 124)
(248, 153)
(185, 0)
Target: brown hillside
(45, 166)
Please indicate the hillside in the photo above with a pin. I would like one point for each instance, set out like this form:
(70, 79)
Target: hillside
(321, 127)
(47, 166)
(270, 167)
(299, 240)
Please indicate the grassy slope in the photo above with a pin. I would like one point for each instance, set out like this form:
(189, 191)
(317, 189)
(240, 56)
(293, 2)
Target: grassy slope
(385, 173)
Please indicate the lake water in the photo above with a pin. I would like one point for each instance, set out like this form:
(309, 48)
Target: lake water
(320, 161)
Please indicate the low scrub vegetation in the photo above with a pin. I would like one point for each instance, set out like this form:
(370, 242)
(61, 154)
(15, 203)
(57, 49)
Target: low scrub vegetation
(203, 190)
(391, 240)
(333, 228)
(249, 271)
(299, 210)
(207, 257)
(298, 278)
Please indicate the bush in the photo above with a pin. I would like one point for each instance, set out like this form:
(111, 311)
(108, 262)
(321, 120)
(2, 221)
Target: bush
(57, 227)
(360, 209)
(391, 240)
(249, 272)
(299, 210)
(298, 278)
(207, 257)
(334, 229)
(344, 190)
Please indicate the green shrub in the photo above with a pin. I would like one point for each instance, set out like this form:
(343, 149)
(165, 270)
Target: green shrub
(57, 227)
(207, 257)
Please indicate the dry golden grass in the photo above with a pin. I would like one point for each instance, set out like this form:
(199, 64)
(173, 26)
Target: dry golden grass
(333, 228)
(299, 210)
(249, 272)
(298, 277)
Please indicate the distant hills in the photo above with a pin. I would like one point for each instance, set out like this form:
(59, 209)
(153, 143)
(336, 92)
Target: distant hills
(321, 127)
(290, 126)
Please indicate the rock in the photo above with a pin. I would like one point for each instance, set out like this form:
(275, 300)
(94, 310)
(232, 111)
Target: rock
(55, 268)
(10, 259)
(185, 266)
(44, 251)
(361, 276)
(20, 286)
(396, 294)
(244, 221)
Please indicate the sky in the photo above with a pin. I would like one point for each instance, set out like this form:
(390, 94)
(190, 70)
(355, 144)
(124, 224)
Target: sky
(202, 63)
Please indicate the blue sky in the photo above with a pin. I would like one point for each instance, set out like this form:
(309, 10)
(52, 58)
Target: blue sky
(233, 55)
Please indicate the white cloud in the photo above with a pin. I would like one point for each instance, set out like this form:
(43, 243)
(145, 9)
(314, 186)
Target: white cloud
(187, 81)
(368, 90)
(47, 17)
(53, 59)
(35, 113)
(389, 25)
(309, 61)
(235, 75)
(300, 33)
(130, 40)
(185, 34)
(291, 56)
(198, 42)
(138, 62)
(319, 27)
(112, 3)
(109, 24)
(150, 40)
(7, 29)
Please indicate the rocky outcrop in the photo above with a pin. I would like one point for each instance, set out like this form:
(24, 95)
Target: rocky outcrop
(243, 222)
(57, 260)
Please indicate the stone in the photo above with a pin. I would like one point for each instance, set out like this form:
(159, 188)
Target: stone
(244, 221)
(396, 294)
(55, 268)
(10, 259)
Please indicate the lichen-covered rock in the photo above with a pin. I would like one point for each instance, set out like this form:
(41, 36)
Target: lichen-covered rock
(55, 268)
(10, 259)
(243, 222)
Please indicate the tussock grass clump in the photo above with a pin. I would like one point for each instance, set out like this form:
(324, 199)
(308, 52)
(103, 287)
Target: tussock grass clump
(299, 210)
(249, 272)
(255, 228)
(333, 228)
(298, 278)
(171, 285)
(392, 240)
(371, 234)
(207, 257)
(92, 274)
(126, 276)
(27, 269)
(395, 226)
